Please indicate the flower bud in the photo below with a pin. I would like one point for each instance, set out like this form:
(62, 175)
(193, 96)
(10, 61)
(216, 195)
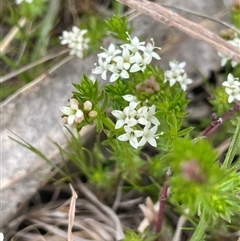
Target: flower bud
(87, 105)
(192, 171)
(65, 120)
(93, 114)
(149, 86)
(73, 101)
(79, 116)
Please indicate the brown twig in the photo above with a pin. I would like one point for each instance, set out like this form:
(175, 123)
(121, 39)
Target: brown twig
(33, 64)
(162, 202)
(11, 35)
(216, 123)
(192, 29)
(73, 11)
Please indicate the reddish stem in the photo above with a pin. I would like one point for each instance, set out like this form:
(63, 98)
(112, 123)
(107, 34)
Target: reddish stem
(216, 123)
(163, 194)
(162, 202)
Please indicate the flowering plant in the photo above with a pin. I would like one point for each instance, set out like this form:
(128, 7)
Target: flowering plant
(142, 111)
(139, 105)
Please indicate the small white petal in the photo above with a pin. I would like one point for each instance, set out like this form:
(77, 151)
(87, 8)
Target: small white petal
(67, 110)
(138, 133)
(143, 141)
(74, 104)
(114, 77)
(123, 137)
(230, 78)
(234, 63)
(71, 119)
(229, 91)
(119, 114)
(120, 123)
(79, 116)
(130, 98)
(156, 56)
(237, 97)
(131, 122)
(152, 142)
(135, 68)
(79, 113)
(142, 121)
(230, 99)
(104, 75)
(134, 142)
(124, 74)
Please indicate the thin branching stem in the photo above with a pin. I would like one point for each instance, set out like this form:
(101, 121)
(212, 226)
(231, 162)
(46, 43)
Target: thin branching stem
(162, 202)
(216, 123)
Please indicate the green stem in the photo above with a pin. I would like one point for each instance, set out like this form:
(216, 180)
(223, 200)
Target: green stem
(200, 230)
(234, 146)
(109, 123)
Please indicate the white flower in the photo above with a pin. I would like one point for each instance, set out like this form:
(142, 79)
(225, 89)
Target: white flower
(18, 2)
(232, 88)
(66, 37)
(75, 40)
(73, 113)
(1, 237)
(118, 70)
(110, 53)
(151, 116)
(132, 57)
(170, 76)
(177, 74)
(177, 68)
(121, 62)
(149, 135)
(234, 94)
(126, 58)
(142, 114)
(235, 42)
(184, 81)
(131, 135)
(127, 116)
(134, 45)
(101, 69)
(231, 81)
(137, 61)
(130, 118)
(149, 54)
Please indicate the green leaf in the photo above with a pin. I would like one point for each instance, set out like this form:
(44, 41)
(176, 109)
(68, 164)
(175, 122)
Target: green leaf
(118, 27)
(87, 90)
(185, 131)
(198, 234)
(233, 148)
(38, 152)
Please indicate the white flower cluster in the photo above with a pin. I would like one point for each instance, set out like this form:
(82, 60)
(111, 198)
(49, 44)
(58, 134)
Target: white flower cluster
(235, 42)
(177, 74)
(20, 1)
(232, 88)
(131, 117)
(75, 40)
(74, 115)
(132, 57)
(1, 237)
